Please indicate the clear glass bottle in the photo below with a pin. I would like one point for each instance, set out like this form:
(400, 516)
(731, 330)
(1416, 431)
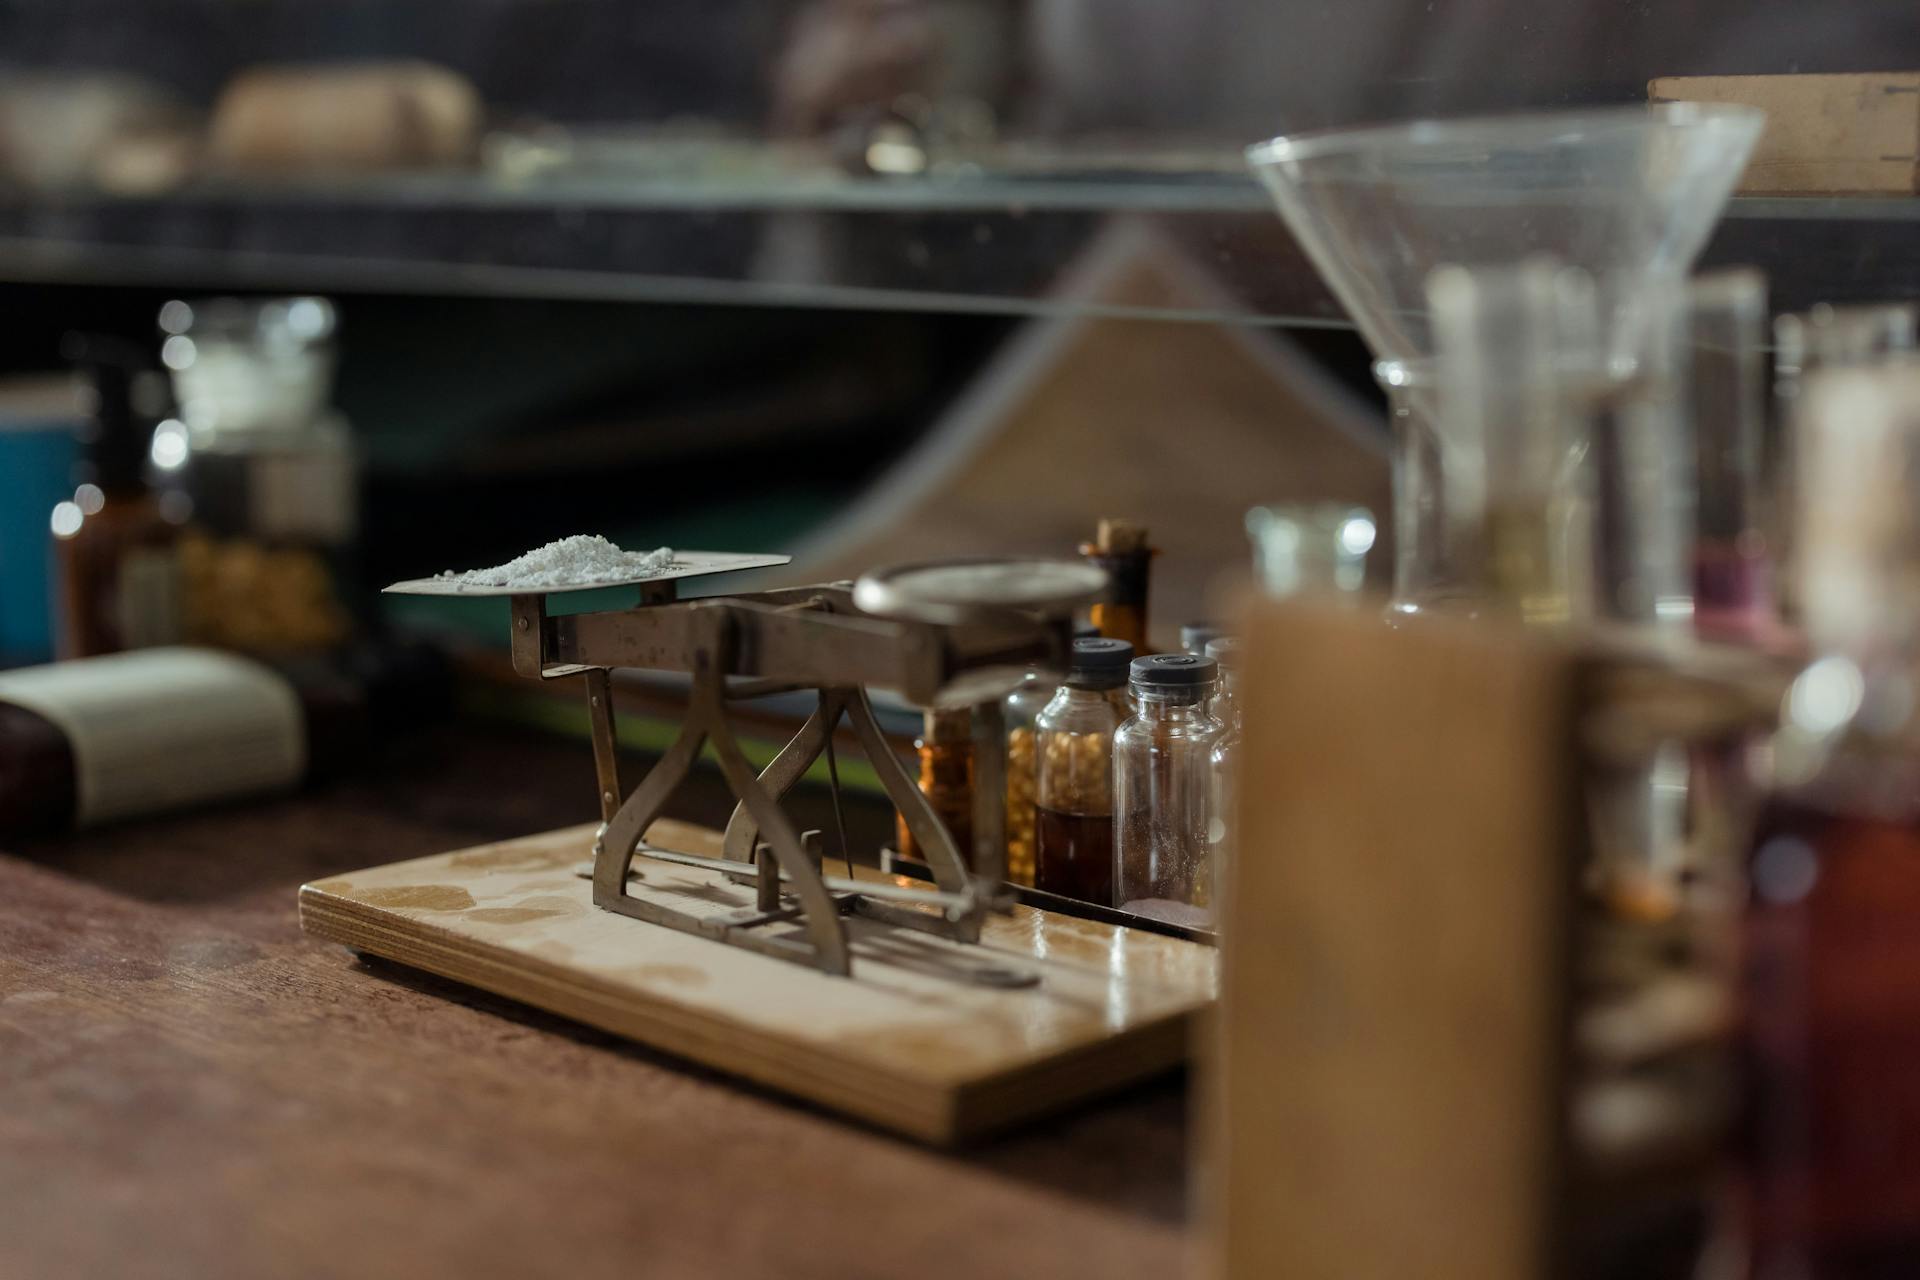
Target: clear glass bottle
(1223, 762)
(1832, 925)
(1075, 746)
(1726, 396)
(268, 471)
(1021, 708)
(1160, 783)
(1515, 352)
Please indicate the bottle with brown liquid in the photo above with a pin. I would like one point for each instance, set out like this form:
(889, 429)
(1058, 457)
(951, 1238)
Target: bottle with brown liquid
(945, 751)
(1074, 742)
(1831, 1185)
(115, 552)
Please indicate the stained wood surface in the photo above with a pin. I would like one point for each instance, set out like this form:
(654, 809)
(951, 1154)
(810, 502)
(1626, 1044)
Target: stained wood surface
(190, 1088)
(904, 1041)
(1394, 999)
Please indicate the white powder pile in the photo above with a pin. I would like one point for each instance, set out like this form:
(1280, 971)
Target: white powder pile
(582, 560)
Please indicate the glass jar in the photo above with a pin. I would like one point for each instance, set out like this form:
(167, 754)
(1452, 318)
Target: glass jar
(1161, 758)
(1074, 741)
(945, 751)
(267, 470)
(1831, 935)
(1021, 708)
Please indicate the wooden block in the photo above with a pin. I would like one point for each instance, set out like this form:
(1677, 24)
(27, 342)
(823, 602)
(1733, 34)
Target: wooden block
(903, 1043)
(1390, 1093)
(1825, 135)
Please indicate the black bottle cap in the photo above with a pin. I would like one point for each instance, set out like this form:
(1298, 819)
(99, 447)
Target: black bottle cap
(1195, 635)
(1099, 663)
(1173, 670)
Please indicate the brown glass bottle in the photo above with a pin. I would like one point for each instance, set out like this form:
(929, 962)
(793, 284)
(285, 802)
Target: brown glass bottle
(1120, 547)
(113, 551)
(945, 751)
(1831, 1139)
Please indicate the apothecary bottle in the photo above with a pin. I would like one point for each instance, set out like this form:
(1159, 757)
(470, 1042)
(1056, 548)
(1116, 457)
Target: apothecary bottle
(1832, 926)
(1161, 786)
(945, 751)
(1120, 547)
(1074, 741)
(1020, 709)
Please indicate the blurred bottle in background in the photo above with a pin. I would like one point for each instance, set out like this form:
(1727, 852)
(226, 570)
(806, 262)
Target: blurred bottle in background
(1726, 318)
(115, 548)
(1833, 915)
(39, 443)
(945, 752)
(267, 470)
(1120, 547)
(1160, 791)
(1074, 743)
(1021, 708)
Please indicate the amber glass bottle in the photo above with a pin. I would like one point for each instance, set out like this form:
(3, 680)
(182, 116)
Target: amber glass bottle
(945, 751)
(1120, 547)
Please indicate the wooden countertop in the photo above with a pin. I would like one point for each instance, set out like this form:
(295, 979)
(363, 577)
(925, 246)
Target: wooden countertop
(189, 1087)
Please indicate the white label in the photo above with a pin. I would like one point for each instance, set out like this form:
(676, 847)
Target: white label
(163, 729)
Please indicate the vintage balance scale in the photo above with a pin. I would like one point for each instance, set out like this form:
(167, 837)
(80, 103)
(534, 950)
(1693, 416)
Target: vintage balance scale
(937, 1009)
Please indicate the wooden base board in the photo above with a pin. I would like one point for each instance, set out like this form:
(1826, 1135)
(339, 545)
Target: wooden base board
(903, 1043)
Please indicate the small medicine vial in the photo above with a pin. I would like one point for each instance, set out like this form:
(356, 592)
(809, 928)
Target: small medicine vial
(1074, 740)
(1161, 784)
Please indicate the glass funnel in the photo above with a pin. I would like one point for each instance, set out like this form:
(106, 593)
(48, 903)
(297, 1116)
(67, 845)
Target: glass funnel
(1628, 195)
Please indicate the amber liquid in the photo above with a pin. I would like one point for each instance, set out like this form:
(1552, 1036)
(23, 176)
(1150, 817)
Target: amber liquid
(1075, 855)
(1833, 1044)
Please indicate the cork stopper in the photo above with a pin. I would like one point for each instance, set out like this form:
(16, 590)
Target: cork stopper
(1119, 537)
(943, 726)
